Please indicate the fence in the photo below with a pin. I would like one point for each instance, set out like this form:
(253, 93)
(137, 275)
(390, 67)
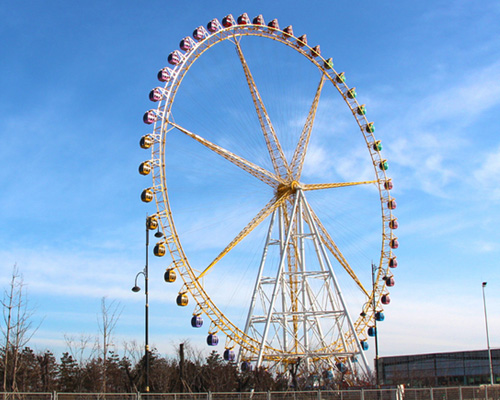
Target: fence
(443, 393)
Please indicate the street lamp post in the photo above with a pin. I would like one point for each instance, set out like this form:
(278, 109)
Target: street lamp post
(374, 269)
(136, 289)
(487, 334)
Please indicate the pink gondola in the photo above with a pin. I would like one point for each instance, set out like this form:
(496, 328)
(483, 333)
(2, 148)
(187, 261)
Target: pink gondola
(150, 117)
(175, 57)
(393, 224)
(187, 43)
(200, 33)
(156, 94)
(214, 25)
(164, 74)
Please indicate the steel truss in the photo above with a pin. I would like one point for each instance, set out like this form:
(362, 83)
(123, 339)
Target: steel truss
(300, 309)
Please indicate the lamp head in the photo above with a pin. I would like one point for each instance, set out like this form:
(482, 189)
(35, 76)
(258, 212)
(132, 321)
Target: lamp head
(158, 234)
(485, 283)
(136, 289)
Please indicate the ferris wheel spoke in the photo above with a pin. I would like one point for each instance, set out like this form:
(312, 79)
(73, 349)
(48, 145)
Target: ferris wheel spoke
(276, 153)
(261, 216)
(318, 186)
(330, 245)
(253, 169)
(301, 149)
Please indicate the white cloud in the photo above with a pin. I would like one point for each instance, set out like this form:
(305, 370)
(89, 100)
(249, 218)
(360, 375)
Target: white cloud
(429, 141)
(487, 176)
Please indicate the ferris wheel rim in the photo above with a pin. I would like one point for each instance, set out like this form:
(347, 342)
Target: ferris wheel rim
(164, 212)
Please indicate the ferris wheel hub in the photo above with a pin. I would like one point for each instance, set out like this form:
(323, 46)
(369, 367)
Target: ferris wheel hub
(288, 188)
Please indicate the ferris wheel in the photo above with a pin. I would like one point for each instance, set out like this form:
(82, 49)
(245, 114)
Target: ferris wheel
(278, 198)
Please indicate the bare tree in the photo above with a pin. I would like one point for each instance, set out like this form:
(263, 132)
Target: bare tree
(110, 314)
(79, 346)
(18, 326)
(82, 350)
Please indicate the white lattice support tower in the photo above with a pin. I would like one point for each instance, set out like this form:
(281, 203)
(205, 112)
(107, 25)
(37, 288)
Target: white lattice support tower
(321, 312)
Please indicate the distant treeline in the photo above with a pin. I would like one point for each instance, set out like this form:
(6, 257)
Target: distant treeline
(41, 372)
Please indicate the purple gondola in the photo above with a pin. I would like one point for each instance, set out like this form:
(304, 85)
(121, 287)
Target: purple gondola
(197, 321)
(229, 355)
(212, 339)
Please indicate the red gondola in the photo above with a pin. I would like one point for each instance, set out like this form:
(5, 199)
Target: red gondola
(288, 31)
(273, 24)
(393, 224)
(243, 19)
(258, 20)
(302, 40)
(228, 21)
(315, 51)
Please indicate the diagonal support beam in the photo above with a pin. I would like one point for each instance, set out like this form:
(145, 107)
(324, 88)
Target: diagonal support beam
(301, 149)
(318, 186)
(276, 153)
(253, 169)
(261, 216)
(330, 244)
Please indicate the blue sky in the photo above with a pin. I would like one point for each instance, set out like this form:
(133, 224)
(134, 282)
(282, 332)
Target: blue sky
(74, 80)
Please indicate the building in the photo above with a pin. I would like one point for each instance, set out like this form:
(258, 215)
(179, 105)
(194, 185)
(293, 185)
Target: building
(440, 369)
